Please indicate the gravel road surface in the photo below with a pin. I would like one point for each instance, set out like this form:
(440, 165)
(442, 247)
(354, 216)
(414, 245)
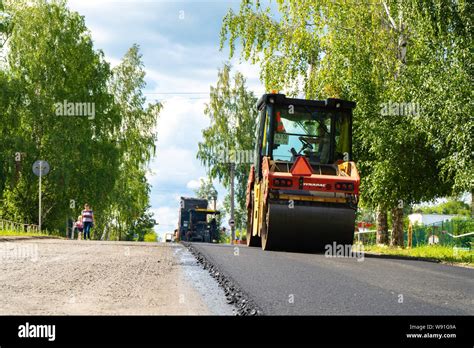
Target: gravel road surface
(55, 277)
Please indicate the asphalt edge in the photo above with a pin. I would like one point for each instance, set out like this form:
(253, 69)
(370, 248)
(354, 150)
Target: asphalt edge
(243, 303)
(400, 257)
(416, 258)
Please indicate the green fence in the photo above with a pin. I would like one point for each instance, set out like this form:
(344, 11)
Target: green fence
(12, 226)
(457, 232)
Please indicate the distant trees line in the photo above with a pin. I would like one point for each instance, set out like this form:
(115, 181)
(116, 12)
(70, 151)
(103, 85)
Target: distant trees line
(48, 59)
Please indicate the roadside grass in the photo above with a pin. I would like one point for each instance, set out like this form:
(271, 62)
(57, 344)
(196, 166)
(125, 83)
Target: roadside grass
(10, 233)
(438, 252)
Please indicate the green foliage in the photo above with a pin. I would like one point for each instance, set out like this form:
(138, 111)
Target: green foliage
(100, 160)
(26, 234)
(150, 237)
(206, 190)
(240, 212)
(135, 137)
(224, 238)
(138, 227)
(5, 26)
(451, 207)
(233, 117)
(462, 225)
(366, 214)
(241, 234)
(375, 53)
(439, 74)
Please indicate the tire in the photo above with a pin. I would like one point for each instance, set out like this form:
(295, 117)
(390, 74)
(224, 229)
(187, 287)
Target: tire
(266, 244)
(252, 241)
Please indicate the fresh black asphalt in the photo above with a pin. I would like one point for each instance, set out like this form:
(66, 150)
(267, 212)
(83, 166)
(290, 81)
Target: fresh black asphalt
(283, 283)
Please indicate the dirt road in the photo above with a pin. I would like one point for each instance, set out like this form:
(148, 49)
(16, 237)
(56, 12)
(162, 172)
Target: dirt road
(52, 276)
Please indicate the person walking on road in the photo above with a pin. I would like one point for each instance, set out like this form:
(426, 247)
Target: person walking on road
(88, 221)
(79, 227)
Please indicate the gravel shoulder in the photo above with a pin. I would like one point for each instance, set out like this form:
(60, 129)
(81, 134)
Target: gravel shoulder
(41, 276)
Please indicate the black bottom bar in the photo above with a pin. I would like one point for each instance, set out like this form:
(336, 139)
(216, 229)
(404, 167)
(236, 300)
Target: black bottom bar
(192, 331)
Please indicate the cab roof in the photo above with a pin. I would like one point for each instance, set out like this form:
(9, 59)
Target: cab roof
(330, 103)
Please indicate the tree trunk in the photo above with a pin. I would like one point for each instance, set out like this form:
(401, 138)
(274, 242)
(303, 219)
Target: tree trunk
(472, 203)
(382, 226)
(397, 227)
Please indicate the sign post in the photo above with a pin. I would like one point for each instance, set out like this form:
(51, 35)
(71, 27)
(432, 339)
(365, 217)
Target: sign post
(40, 168)
(232, 226)
(232, 229)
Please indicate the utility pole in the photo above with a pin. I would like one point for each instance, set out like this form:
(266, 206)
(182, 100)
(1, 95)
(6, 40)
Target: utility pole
(40, 175)
(232, 227)
(40, 168)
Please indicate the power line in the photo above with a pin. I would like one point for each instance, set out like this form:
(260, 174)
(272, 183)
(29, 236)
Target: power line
(176, 93)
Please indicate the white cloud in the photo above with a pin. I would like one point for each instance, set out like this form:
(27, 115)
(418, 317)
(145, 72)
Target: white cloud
(167, 219)
(173, 165)
(195, 184)
(179, 132)
(181, 121)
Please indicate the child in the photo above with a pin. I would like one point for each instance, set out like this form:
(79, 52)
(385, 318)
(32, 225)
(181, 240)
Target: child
(78, 225)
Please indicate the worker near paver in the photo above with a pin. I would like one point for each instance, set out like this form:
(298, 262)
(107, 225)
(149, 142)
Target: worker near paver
(87, 220)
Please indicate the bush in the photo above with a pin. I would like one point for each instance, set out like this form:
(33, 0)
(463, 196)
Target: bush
(150, 237)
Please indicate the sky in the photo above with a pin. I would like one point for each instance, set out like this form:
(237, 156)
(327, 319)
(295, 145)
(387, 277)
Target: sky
(179, 41)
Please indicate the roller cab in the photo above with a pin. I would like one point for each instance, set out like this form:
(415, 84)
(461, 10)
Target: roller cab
(303, 187)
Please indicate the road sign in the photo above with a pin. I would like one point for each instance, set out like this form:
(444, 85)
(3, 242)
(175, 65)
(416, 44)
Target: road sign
(231, 223)
(41, 168)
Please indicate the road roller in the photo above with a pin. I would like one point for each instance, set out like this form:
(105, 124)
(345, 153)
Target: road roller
(303, 187)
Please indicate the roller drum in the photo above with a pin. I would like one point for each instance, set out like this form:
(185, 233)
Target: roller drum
(307, 228)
